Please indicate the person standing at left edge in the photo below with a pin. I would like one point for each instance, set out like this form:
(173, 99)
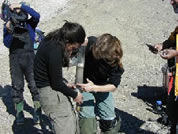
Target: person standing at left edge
(20, 40)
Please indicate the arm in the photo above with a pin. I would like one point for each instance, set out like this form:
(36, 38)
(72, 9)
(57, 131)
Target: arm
(26, 9)
(55, 74)
(91, 87)
(7, 37)
(114, 81)
(115, 76)
(169, 53)
(105, 88)
(170, 42)
(35, 16)
(56, 79)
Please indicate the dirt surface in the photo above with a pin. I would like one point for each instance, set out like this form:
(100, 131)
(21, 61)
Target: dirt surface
(134, 22)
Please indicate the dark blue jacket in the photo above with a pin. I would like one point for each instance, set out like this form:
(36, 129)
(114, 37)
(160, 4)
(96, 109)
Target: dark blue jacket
(31, 25)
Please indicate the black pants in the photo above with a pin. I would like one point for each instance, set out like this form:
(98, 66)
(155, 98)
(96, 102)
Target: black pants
(172, 109)
(21, 67)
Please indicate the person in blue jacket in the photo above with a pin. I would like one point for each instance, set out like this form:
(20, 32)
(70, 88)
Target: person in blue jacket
(18, 36)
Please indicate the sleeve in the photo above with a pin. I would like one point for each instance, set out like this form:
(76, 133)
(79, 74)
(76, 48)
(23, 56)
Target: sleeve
(55, 74)
(35, 16)
(171, 41)
(7, 37)
(115, 76)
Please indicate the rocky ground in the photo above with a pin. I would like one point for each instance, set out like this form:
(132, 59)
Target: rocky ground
(134, 22)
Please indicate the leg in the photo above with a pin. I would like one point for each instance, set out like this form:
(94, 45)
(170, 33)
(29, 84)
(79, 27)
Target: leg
(17, 86)
(172, 110)
(19, 113)
(176, 117)
(59, 109)
(177, 128)
(88, 126)
(110, 126)
(17, 79)
(87, 119)
(29, 76)
(109, 123)
(27, 63)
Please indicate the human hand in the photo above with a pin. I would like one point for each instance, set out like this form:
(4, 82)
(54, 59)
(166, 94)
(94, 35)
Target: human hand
(79, 98)
(88, 87)
(9, 26)
(173, 1)
(168, 53)
(15, 6)
(152, 48)
(159, 47)
(71, 85)
(85, 42)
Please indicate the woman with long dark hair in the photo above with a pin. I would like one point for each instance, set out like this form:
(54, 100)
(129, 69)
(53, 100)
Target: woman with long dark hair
(54, 53)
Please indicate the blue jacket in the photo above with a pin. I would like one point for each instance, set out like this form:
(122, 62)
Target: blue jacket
(31, 25)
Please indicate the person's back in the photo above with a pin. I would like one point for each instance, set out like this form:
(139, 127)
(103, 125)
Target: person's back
(42, 60)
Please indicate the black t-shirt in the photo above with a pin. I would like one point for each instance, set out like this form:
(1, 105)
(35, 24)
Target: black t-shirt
(48, 68)
(99, 71)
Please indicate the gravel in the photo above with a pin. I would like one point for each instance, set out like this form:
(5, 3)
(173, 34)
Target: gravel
(134, 22)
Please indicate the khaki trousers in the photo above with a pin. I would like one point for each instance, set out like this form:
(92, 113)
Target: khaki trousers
(59, 109)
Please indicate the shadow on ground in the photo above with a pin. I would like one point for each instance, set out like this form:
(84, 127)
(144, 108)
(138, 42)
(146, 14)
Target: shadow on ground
(130, 124)
(28, 127)
(150, 94)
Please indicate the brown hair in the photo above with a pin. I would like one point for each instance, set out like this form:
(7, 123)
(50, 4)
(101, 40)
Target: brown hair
(108, 48)
(69, 33)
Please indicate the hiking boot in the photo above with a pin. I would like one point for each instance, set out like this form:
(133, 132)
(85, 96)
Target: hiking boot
(19, 113)
(20, 119)
(36, 116)
(37, 112)
(115, 128)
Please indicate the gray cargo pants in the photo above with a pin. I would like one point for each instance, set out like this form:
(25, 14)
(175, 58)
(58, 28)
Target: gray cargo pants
(59, 109)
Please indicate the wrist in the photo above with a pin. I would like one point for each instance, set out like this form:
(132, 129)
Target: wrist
(20, 5)
(95, 88)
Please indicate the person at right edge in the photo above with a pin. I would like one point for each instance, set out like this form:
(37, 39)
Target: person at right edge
(169, 52)
(102, 74)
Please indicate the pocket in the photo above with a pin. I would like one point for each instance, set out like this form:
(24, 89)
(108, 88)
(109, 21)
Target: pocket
(65, 106)
(49, 100)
